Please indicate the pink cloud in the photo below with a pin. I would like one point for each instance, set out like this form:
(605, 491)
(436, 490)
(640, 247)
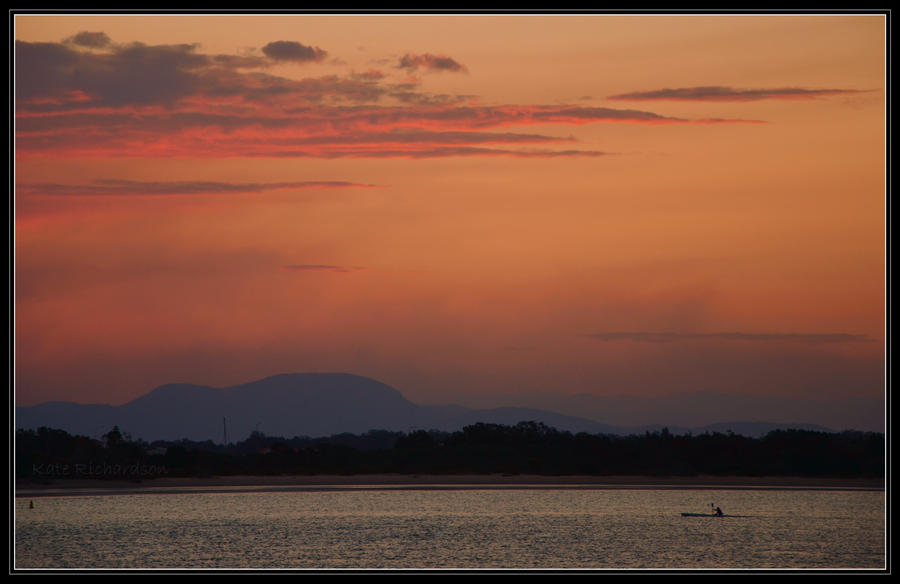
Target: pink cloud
(166, 101)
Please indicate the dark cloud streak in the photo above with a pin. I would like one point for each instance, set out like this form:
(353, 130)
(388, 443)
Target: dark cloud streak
(668, 337)
(324, 268)
(419, 153)
(137, 188)
(720, 93)
(405, 136)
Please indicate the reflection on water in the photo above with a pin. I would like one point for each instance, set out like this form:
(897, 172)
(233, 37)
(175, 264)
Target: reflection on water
(483, 528)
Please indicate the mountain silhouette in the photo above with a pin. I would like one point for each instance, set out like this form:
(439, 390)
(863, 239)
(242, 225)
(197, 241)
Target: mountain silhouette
(298, 404)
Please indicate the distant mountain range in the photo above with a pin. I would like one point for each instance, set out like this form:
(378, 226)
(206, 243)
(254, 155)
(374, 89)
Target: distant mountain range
(313, 405)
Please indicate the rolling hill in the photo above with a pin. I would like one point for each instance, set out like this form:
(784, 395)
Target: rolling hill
(305, 404)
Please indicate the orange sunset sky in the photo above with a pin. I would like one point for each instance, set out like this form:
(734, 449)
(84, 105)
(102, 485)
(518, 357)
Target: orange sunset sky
(455, 205)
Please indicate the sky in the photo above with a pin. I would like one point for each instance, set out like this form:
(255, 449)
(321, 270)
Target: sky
(455, 205)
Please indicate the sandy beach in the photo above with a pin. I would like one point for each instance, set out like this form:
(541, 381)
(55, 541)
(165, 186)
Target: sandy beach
(173, 485)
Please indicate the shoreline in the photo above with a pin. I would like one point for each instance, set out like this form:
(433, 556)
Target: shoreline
(297, 483)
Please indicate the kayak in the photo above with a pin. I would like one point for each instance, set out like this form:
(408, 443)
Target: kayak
(709, 515)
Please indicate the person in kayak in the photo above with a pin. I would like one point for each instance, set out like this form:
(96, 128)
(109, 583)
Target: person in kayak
(718, 511)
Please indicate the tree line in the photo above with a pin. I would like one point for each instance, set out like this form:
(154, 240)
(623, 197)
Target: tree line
(525, 448)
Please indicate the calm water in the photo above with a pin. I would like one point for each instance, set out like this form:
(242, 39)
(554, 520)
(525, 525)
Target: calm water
(480, 528)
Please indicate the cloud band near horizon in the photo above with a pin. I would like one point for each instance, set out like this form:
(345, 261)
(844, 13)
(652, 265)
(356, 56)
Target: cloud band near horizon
(668, 337)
